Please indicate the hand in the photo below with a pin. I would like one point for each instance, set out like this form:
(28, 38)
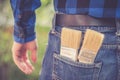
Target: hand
(20, 55)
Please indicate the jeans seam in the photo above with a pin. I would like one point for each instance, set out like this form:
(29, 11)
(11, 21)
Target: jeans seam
(54, 74)
(118, 61)
(76, 64)
(97, 73)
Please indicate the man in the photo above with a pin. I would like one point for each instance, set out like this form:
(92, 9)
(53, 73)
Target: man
(100, 15)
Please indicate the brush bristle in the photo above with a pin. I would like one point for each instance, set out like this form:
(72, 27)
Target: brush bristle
(70, 38)
(92, 40)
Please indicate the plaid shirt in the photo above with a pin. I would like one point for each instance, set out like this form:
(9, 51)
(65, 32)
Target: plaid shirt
(96, 8)
(24, 13)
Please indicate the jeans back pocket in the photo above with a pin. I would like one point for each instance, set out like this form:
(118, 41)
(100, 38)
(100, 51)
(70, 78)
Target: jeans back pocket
(66, 69)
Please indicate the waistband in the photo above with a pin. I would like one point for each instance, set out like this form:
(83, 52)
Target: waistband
(84, 20)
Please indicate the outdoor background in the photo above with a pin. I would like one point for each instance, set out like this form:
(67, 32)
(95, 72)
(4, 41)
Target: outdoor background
(8, 70)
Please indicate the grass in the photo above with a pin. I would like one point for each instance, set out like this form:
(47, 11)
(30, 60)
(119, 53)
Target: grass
(8, 69)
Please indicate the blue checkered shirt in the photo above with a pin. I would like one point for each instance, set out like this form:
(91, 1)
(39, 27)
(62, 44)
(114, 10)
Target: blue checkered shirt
(24, 13)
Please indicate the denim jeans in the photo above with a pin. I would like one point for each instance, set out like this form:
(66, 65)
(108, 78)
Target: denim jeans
(105, 67)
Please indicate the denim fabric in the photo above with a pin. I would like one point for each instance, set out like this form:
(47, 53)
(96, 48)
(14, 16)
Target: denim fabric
(105, 67)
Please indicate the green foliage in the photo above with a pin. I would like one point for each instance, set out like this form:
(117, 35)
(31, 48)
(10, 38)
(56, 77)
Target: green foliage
(45, 13)
(5, 13)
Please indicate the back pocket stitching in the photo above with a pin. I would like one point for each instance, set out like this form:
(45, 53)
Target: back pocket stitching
(96, 66)
(77, 64)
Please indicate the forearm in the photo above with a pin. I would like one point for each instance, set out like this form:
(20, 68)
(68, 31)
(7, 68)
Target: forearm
(24, 19)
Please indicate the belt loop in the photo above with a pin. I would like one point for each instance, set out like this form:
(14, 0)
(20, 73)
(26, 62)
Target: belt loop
(118, 27)
(54, 23)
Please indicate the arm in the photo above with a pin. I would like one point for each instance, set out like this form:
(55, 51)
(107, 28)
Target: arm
(24, 33)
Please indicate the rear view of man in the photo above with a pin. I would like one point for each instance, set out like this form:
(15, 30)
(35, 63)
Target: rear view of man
(99, 15)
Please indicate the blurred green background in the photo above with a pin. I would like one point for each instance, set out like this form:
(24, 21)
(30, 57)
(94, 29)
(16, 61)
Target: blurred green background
(8, 70)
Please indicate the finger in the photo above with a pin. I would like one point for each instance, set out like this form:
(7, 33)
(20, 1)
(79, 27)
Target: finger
(22, 66)
(28, 63)
(32, 46)
(34, 55)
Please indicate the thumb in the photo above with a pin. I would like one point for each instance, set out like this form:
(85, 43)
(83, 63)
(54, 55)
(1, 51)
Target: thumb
(34, 55)
(32, 47)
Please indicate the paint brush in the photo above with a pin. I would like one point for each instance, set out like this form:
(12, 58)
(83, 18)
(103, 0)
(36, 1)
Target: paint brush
(70, 43)
(90, 47)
